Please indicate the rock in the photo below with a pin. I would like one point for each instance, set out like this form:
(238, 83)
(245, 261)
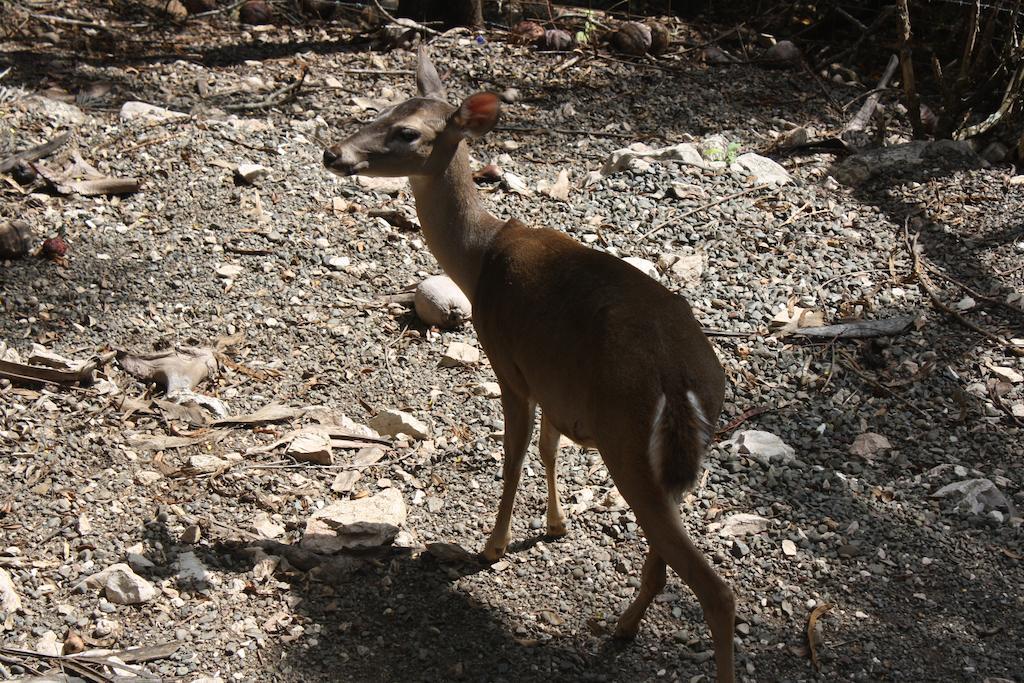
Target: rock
(718, 56)
(51, 646)
(859, 168)
(206, 463)
(389, 186)
(782, 53)
(15, 239)
(148, 477)
(439, 301)
(739, 549)
(345, 481)
(337, 262)
(120, 584)
(363, 523)
(510, 95)
(965, 304)
(229, 271)
(688, 269)
(255, 13)
(514, 183)
(764, 170)
(742, 524)
(191, 571)
(869, 444)
(995, 152)
(191, 535)
(793, 137)
(459, 354)
(10, 601)
(632, 38)
(250, 173)
(310, 445)
(58, 111)
(762, 446)
(1006, 374)
(788, 548)
(139, 562)
(141, 110)
(644, 266)
(391, 422)
(622, 159)
(556, 39)
(1017, 180)
(976, 495)
(559, 189)
(487, 390)
(266, 527)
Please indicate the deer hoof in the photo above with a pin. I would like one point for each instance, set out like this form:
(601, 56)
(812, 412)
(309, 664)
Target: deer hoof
(556, 530)
(625, 630)
(493, 553)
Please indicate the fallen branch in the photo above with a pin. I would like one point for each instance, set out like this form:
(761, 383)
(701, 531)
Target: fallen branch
(33, 153)
(860, 121)
(276, 98)
(861, 329)
(703, 207)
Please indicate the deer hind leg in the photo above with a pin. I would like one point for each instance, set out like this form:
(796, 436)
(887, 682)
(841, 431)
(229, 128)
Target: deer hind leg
(652, 583)
(519, 417)
(548, 447)
(657, 512)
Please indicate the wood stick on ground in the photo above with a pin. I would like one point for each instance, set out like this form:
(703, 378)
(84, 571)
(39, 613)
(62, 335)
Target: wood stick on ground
(276, 98)
(33, 153)
(907, 67)
(860, 120)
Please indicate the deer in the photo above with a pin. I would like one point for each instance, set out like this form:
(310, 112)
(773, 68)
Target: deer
(614, 359)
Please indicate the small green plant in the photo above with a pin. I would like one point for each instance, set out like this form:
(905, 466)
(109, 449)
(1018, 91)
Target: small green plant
(585, 35)
(728, 155)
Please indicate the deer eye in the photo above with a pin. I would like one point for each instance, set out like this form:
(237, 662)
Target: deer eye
(408, 134)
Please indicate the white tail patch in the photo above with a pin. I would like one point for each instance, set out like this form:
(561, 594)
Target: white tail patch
(702, 419)
(655, 447)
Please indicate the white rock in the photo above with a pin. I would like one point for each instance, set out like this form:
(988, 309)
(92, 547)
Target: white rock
(559, 189)
(310, 445)
(191, 571)
(391, 422)
(1017, 410)
(266, 527)
(688, 268)
(869, 444)
(459, 354)
(743, 524)
(338, 262)
(1017, 180)
(229, 271)
(439, 301)
(56, 110)
(516, 184)
(345, 481)
(643, 265)
(764, 170)
(363, 523)
(134, 110)
(121, 585)
(391, 186)
(622, 159)
(10, 601)
(250, 173)
(1007, 374)
(788, 548)
(762, 446)
(976, 495)
(50, 645)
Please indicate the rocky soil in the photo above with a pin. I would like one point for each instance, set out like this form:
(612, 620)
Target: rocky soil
(299, 280)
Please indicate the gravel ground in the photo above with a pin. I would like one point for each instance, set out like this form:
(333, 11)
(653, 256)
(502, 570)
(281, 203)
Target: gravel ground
(919, 587)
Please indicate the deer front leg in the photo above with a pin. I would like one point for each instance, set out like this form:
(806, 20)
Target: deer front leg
(548, 447)
(519, 416)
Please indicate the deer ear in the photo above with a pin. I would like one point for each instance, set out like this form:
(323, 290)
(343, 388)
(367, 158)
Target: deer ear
(477, 114)
(428, 83)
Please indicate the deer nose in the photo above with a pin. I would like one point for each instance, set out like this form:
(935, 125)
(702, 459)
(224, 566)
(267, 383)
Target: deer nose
(330, 157)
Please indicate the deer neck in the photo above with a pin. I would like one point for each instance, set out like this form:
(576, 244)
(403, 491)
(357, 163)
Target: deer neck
(457, 227)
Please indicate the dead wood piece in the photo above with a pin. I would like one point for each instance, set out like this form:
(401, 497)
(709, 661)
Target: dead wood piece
(861, 329)
(33, 375)
(33, 153)
(275, 99)
(860, 121)
(273, 412)
(100, 186)
(172, 370)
